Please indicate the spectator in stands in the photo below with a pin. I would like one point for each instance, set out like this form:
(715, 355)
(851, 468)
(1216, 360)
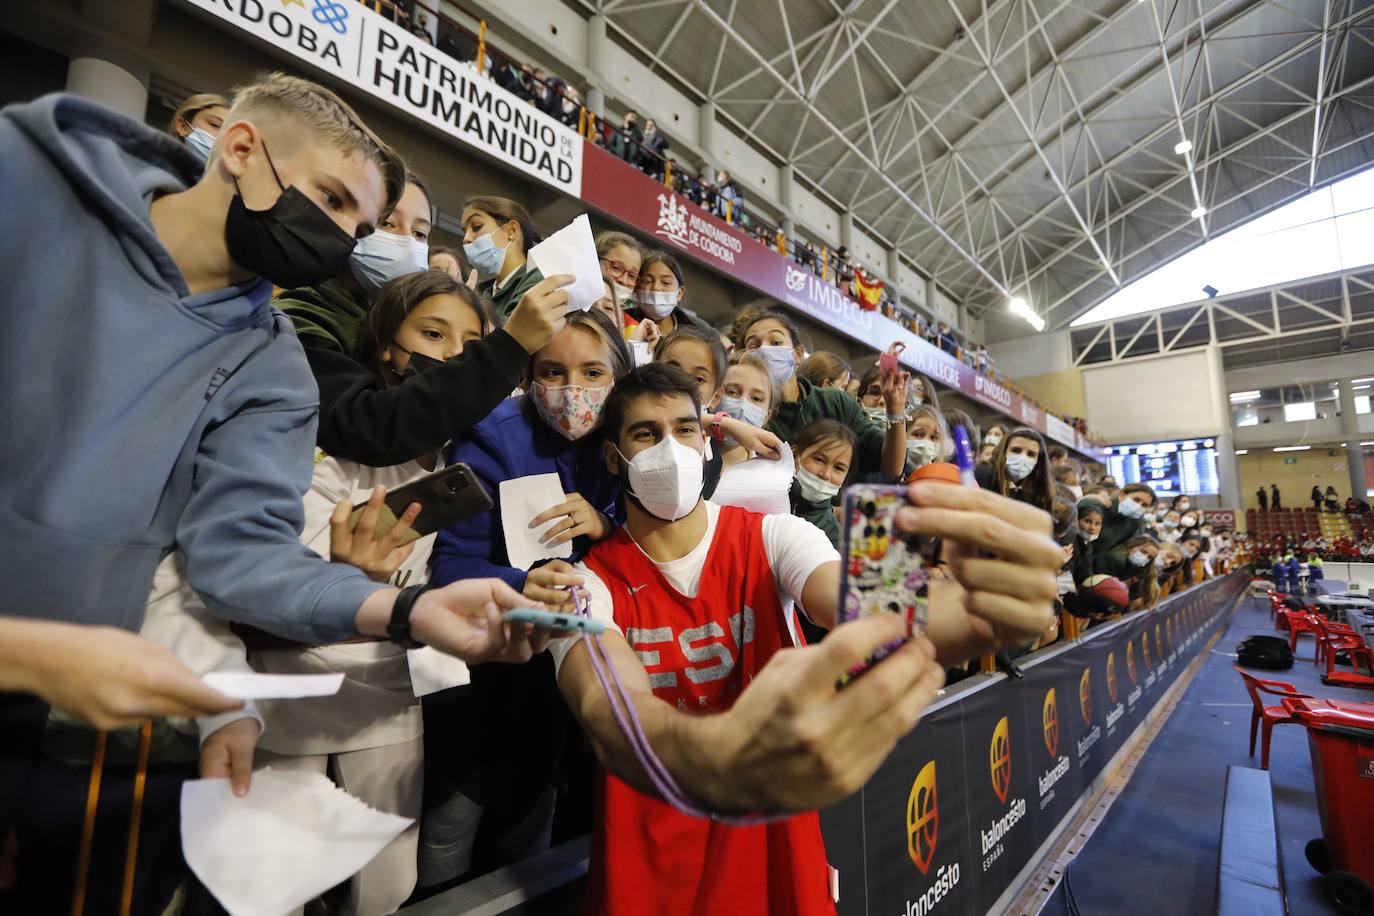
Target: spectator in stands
(824, 453)
(921, 391)
(660, 295)
(461, 46)
(729, 201)
(197, 122)
(853, 386)
(1133, 563)
(654, 149)
(567, 384)
(569, 106)
(1066, 475)
(994, 434)
(985, 451)
(824, 369)
(778, 340)
(955, 418)
(664, 553)
(360, 420)
(1316, 497)
(626, 140)
(1125, 515)
(497, 236)
(927, 438)
(1262, 498)
(1059, 457)
(871, 396)
(1275, 497)
(1089, 517)
(1019, 469)
(948, 342)
(621, 257)
(844, 269)
(984, 361)
(748, 395)
(1332, 499)
(441, 257)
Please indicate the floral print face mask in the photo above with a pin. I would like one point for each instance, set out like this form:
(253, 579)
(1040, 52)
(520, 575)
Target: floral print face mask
(570, 409)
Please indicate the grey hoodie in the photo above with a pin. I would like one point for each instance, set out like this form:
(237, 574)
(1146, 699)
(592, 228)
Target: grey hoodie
(136, 418)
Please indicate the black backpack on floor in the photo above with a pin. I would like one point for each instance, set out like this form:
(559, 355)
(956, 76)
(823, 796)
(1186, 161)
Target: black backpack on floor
(1268, 652)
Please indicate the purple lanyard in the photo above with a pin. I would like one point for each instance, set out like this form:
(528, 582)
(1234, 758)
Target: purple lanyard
(628, 720)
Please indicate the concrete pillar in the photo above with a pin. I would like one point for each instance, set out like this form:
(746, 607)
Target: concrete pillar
(1350, 427)
(706, 138)
(596, 101)
(847, 231)
(1228, 471)
(109, 75)
(894, 268)
(789, 227)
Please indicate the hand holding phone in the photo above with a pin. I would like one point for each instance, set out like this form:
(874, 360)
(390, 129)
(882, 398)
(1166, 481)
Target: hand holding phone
(445, 497)
(567, 623)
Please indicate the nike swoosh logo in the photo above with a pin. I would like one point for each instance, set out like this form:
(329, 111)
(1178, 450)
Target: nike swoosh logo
(635, 589)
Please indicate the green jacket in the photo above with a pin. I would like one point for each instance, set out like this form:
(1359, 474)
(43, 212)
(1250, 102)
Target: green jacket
(327, 312)
(822, 515)
(830, 404)
(1115, 563)
(505, 301)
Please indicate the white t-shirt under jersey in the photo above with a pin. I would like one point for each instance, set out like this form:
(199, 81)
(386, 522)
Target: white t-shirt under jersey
(795, 549)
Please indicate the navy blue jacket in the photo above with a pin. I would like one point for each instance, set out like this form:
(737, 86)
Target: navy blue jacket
(513, 441)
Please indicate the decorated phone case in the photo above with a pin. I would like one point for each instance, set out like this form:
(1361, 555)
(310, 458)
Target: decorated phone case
(884, 571)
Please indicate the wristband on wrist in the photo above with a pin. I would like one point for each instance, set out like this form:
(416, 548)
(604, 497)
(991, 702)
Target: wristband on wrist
(717, 431)
(398, 629)
(894, 419)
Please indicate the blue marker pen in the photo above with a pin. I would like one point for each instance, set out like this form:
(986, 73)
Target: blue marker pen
(963, 457)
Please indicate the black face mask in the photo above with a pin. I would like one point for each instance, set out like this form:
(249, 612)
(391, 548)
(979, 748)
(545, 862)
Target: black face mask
(419, 363)
(292, 243)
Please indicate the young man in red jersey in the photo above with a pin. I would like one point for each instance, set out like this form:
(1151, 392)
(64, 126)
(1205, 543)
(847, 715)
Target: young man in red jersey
(698, 601)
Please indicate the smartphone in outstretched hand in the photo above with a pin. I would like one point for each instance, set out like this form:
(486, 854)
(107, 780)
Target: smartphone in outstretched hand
(446, 497)
(568, 623)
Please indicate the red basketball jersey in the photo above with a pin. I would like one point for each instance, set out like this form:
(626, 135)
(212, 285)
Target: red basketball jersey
(700, 653)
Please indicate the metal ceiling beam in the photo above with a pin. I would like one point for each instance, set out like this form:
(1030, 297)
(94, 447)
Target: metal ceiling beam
(939, 230)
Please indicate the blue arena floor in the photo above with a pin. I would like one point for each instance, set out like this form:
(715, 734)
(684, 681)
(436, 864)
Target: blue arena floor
(1156, 850)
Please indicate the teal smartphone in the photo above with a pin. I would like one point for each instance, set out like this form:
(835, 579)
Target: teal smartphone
(569, 623)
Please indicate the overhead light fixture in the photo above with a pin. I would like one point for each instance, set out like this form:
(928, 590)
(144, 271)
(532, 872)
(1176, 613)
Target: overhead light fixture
(1017, 306)
(1183, 146)
(1240, 397)
(1356, 381)
(1242, 451)
(1358, 387)
(1293, 448)
(1198, 212)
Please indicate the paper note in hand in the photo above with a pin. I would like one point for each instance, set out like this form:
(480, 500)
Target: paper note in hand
(572, 250)
(248, 685)
(293, 837)
(521, 500)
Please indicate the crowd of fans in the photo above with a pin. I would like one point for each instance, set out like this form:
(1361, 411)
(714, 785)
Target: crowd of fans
(246, 529)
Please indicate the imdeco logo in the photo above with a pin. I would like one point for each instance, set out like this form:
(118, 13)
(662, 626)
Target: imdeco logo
(999, 760)
(1085, 696)
(1049, 723)
(922, 819)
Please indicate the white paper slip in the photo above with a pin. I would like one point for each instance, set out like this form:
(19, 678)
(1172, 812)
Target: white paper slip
(640, 350)
(572, 250)
(521, 500)
(291, 838)
(758, 485)
(432, 671)
(249, 685)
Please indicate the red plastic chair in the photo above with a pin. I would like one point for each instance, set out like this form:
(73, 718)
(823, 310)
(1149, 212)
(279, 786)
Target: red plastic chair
(1355, 648)
(1269, 715)
(1329, 633)
(1300, 623)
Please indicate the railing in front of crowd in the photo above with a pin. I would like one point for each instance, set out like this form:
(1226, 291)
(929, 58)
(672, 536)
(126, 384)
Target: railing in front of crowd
(967, 806)
(551, 95)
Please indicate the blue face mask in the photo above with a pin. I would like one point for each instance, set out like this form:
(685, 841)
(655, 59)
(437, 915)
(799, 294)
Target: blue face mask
(383, 256)
(484, 257)
(1020, 466)
(746, 411)
(782, 362)
(199, 142)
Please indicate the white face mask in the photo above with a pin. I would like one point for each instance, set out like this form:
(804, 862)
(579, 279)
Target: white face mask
(1130, 508)
(813, 489)
(1020, 466)
(1139, 558)
(922, 451)
(666, 479)
(484, 256)
(993, 439)
(623, 294)
(1076, 491)
(200, 142)
(1188, 521)
(656, 305)
(877, 413)
(1088, 538)
(383, 256)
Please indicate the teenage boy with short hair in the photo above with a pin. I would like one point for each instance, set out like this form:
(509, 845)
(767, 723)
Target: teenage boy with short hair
(151, 397)
(703, 595)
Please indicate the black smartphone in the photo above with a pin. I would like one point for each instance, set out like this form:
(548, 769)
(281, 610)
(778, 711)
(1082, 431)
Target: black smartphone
(446, 497)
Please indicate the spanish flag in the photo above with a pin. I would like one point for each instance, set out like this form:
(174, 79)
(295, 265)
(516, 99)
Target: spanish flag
(868, 290)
